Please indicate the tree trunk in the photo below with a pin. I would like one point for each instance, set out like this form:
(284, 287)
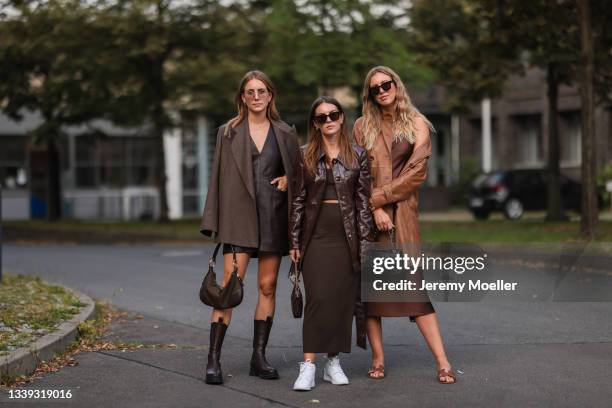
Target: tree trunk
(587, 97)
(159, 126)
(54, 190)
(554, 202)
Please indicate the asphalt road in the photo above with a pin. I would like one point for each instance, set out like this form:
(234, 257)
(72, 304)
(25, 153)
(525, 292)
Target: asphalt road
(509, 354)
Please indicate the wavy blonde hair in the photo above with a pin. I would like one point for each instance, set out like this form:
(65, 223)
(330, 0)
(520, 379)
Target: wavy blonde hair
(271, 111)
(404, 125)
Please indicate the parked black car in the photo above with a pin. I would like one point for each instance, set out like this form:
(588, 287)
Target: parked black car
(514, 191)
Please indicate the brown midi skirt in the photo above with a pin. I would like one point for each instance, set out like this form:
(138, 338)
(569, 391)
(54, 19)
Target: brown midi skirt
(330, 285)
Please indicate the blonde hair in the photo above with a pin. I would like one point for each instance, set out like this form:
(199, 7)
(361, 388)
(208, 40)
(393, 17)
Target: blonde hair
(271, 111)
(404, 125)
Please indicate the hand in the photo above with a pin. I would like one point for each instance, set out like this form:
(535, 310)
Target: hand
(383, 221)
(295, 255)
(281, 183)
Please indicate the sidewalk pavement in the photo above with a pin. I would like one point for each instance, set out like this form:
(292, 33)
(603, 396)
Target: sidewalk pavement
(502, 375)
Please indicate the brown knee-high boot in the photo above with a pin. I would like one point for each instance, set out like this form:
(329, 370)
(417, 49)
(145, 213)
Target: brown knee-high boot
(259, 365)
(213, 368)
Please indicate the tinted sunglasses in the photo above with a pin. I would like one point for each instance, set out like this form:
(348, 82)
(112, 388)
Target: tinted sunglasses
(333, 116)
(385, 86)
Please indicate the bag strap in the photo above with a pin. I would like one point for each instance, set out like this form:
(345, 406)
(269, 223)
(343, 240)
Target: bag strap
(295, 267)
(213, 259)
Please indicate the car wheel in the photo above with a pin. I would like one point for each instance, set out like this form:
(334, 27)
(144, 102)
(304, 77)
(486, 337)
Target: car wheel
(513, 209)
(480, 214)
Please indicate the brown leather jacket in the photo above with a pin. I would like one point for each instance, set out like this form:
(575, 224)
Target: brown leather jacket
(353, 186)
(397, 197)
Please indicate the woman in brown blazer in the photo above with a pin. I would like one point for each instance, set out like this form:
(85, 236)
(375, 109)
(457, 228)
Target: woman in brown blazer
(247, 208)
(329, 218)
(396, 136)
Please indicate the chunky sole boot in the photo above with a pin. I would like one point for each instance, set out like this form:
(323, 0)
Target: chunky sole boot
(213, 368)
(259, 365)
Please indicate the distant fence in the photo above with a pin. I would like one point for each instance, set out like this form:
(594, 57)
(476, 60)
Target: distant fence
(130, 203)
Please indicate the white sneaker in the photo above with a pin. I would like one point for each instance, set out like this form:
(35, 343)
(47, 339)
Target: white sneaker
(306, 379)
(333, 372)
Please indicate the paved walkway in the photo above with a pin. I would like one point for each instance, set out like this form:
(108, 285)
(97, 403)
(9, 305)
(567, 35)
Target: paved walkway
(519, 354)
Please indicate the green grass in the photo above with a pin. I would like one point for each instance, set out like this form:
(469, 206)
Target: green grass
(492, 230)
(509, 231)
(183, 229)
(30, 308)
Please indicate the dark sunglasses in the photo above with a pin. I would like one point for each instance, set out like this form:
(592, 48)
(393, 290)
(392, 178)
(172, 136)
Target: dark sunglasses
(385, 86)
(333, 116)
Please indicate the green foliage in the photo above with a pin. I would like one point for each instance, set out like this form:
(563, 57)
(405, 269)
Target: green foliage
(473, 46)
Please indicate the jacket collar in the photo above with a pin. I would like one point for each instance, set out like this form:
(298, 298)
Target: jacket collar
(322, 157)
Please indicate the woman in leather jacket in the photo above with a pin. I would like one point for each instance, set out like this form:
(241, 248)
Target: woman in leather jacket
(396, 136)
(330, 216)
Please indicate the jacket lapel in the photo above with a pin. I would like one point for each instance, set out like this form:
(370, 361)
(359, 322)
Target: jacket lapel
(241, 150)
(282, 146)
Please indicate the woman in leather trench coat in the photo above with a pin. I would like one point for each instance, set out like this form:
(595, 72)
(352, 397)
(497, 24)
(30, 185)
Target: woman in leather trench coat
(247, 209)
(396, 136)
(330, 216)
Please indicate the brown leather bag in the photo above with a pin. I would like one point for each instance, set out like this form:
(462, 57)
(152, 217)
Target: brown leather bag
(226, 297)
(297, 302)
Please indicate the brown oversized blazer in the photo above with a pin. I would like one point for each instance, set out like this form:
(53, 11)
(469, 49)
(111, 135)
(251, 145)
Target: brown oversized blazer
(401, 191)
(230, 212)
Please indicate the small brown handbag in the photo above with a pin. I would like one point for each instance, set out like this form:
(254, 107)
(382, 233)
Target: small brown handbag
(297, 302)
(226, 297)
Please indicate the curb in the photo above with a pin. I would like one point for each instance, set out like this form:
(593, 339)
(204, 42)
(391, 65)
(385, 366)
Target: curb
(24, 361)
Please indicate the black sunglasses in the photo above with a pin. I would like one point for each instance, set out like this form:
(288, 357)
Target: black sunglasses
(333, 116)
(385, 86)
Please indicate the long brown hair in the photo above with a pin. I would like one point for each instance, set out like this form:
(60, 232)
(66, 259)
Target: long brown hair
(315, 138)
(271, 111)
(404, 125)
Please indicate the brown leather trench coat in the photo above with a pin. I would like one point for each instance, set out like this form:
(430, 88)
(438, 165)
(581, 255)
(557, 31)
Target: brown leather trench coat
(353, 185)
(399, 194)
(230, 212)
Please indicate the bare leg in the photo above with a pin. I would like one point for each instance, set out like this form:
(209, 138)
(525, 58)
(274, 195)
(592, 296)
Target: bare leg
(428, 324)
(243, 262)
(374, 329)
(266, 280)
(310, 356)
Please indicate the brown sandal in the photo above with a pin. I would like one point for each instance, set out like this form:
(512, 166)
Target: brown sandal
(443, 372)
(378, 370)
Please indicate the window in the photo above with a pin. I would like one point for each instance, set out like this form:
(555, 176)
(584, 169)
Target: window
(528, 132)
(570, 138)
(13, 162)
(115, 161)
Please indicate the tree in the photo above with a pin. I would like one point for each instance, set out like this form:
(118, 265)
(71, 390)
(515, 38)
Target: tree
(45, 67)
(166, 56)
(587, 96)
(474, 45)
